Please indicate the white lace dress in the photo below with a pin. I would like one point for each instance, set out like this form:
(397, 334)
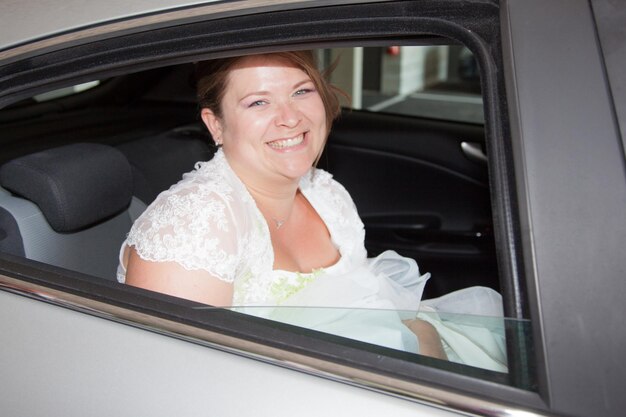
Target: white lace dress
(209, 221)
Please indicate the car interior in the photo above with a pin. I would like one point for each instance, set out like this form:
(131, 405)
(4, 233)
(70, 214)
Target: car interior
(78, 169)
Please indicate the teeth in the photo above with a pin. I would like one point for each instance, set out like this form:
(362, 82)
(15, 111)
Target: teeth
(286, 143)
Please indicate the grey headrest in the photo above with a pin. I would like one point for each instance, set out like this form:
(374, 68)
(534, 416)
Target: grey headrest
(74, 186)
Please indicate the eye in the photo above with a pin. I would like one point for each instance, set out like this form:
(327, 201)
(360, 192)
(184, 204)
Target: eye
(257, 103)
(303, 91)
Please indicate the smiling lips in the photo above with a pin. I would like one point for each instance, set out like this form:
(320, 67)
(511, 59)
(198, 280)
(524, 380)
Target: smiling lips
(281, 144)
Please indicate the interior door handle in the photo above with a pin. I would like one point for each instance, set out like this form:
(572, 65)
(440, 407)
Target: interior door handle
(401, 222)
(474, 152)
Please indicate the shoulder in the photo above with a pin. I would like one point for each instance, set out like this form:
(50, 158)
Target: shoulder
(197, 223)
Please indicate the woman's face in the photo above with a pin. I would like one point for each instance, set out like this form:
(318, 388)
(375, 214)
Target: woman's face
(273, 123)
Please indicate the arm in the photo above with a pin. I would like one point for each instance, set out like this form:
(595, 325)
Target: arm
(172, 279)
(429, 340)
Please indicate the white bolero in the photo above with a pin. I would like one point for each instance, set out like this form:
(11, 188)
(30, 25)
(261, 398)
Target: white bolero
(209, 221)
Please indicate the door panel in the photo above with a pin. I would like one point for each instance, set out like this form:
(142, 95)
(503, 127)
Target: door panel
(419, 193)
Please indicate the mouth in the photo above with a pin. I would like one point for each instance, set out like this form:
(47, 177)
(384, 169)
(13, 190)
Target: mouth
(283, 144)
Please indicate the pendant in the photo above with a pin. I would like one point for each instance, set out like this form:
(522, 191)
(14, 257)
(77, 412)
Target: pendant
(279, 223)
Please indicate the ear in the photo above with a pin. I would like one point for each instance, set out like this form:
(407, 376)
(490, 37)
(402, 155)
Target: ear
(214, 124)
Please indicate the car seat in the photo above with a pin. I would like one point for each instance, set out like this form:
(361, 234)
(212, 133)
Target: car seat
(160, 161)
(69, 206)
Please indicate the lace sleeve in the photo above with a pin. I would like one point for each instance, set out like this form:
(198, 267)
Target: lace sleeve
(194, 227)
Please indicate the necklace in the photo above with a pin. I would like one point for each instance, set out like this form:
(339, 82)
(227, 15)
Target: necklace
(279, 223)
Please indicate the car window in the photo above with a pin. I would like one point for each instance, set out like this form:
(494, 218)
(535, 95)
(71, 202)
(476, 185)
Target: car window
(439, 81)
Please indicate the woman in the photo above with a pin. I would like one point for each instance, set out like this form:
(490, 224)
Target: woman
(258, 226)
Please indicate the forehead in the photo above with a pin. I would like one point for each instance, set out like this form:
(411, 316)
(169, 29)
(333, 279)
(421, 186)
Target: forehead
(262, 65)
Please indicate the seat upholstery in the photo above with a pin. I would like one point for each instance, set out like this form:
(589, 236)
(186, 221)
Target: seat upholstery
(160, 161)
(71, 205)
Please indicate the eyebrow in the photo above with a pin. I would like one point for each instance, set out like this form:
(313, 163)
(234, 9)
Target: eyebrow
(265, 92)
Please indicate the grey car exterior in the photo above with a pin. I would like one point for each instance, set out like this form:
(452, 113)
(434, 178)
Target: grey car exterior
(67, 354)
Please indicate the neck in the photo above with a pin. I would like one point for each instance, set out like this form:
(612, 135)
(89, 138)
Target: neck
(275, 198)
(276, 205)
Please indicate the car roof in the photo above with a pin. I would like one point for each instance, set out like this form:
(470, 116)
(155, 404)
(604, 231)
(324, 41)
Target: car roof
(38, 19)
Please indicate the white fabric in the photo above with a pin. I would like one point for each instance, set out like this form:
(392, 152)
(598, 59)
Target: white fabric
(209, 221)
(471, 326)
(366, 302)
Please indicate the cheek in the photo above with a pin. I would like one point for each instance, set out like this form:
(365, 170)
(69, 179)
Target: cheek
(315, 111)
(243, 126)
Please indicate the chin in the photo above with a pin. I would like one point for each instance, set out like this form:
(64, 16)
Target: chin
(297, 170)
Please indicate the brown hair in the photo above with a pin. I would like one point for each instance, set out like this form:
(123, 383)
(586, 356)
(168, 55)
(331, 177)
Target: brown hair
(212, 79)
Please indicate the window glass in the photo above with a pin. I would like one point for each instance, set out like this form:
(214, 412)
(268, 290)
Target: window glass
(439, 82)
(468, 338)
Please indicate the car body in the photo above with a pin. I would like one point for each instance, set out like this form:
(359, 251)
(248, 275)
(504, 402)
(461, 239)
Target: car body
(550, 204)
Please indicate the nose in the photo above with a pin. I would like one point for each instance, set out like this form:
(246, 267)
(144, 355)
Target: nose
(288, 114)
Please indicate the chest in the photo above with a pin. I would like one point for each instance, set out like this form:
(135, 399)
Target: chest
(303, 243)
